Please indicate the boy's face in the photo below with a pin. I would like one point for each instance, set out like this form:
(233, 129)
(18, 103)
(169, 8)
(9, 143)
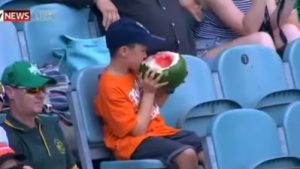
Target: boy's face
(135, 56)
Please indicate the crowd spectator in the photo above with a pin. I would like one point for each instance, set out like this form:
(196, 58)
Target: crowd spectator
(36, 136)
(228, 23)
(172, 20)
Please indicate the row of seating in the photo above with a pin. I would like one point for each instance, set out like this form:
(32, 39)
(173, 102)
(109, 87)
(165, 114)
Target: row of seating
(252, 75)
(38, 39)
(235, 138)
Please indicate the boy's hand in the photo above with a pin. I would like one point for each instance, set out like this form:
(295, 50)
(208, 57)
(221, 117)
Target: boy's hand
(150, 82)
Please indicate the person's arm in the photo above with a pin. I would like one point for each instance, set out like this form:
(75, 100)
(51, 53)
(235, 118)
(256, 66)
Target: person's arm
(294, 18)
(235, 19)
(144, 114)
(286, 14)
(150, 84)
(109, 12)
(193, 7)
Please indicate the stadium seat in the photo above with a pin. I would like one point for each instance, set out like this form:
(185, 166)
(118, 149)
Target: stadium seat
(198, 87)
(253, 76)
(291, 56)
(291, 128)
(48, 23)
(197, 95)
(88, 126)
(9, 45)
(243, 138)
(280, 163)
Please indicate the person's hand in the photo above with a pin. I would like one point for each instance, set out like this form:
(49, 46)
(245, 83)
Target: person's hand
(109, 12)
(193, 8)
(150, 81)
(27, 167)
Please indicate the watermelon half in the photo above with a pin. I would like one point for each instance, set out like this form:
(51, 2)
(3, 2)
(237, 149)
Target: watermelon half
(171, 64)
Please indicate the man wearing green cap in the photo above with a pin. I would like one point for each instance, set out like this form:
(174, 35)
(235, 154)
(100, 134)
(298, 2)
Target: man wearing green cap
(38, 137)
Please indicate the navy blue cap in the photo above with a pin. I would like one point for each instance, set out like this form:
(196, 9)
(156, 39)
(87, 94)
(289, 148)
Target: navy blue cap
(127, 31)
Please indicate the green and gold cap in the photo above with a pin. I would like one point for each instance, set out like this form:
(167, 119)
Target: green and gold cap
(25, 74)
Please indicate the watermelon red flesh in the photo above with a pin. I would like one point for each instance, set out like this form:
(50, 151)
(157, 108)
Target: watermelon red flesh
(164, 62)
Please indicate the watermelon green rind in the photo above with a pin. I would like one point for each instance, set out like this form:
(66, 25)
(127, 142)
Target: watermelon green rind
(175, 75)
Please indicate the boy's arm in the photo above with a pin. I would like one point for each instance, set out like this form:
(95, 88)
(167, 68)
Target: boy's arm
(150, 85)
(144, 114)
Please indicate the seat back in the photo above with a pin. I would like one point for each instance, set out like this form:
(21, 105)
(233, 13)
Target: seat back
(197, 88)
(244, 137)
(199, 118)
(292, 57)
(9, 45)
(87, 125)
(280, 163)
(48, 23)
(247, 73)
(291, 127)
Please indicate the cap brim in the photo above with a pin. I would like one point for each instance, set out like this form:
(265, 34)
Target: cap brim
(41, 81)
(19, 157)
(154, 42)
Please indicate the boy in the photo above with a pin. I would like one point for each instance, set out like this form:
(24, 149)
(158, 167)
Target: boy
(128, 104)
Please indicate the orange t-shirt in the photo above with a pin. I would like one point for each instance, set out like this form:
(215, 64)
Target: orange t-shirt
(117, 103)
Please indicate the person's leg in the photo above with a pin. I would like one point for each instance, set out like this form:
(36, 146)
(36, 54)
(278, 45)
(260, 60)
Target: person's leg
(186, 159)
(261, 38)
(190, 138)
(290, 31)
(172, 153)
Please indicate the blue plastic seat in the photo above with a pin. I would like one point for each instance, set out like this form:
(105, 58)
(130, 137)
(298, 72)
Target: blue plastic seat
(280, 163)
(242, 139)
(253, 76)
(48, 23)
(88, 125)
(197, 88)
(291, 128)
(195, 102)
(291, 56)
(9, 45)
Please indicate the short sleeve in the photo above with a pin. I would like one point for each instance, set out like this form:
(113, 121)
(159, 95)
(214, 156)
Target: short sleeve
(118, 112)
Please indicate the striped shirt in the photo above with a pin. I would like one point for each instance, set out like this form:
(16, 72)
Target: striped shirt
(212, 27)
